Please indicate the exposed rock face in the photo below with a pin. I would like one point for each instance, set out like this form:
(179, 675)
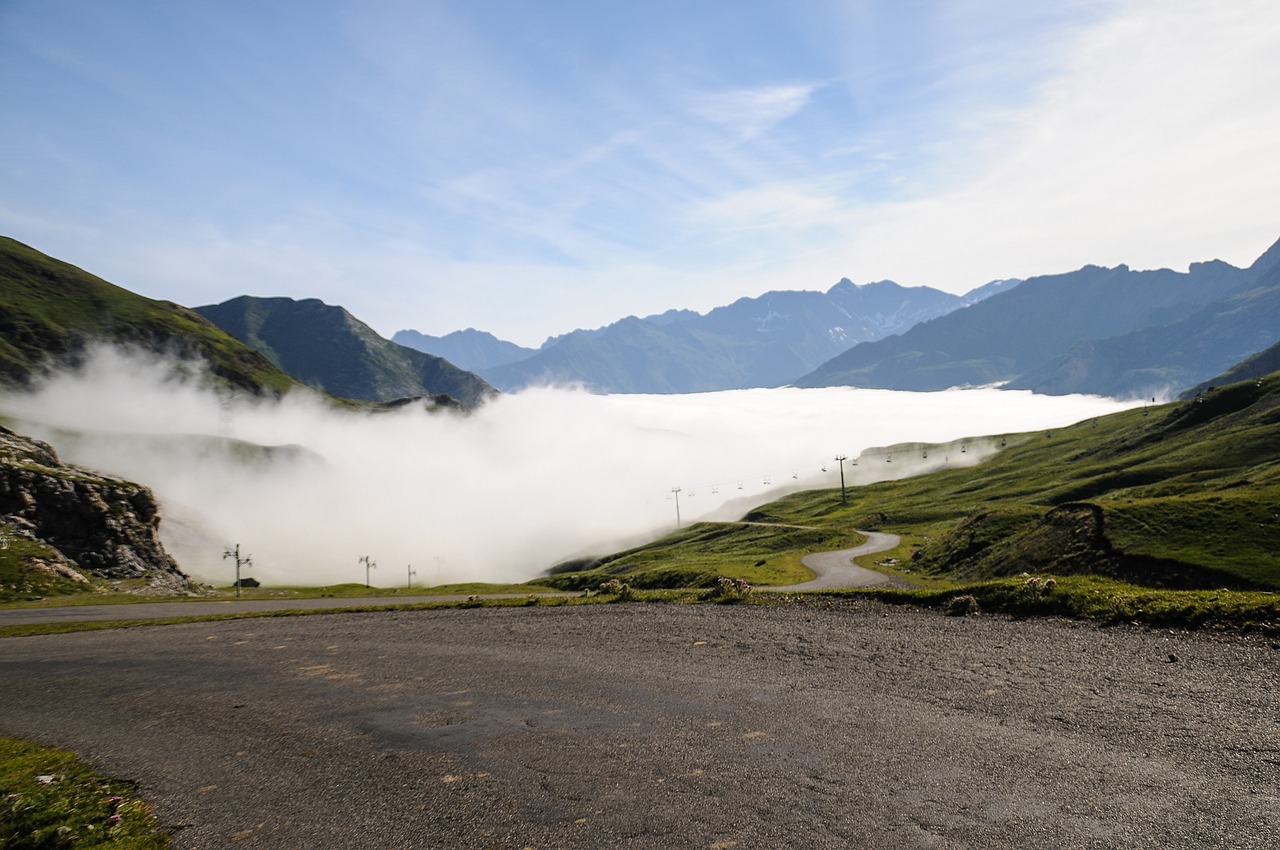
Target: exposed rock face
(106, 526)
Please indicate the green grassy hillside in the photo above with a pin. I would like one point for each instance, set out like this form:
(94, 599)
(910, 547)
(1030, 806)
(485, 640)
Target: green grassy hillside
(1184, 495)
(695, 556)
(51, 310)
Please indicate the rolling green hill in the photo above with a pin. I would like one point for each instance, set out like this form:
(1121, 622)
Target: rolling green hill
(50, 311)
(1181, 496)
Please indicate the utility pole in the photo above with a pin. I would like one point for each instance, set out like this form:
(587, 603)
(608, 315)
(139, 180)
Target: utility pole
(676, 491)
(246, 561)
(840, 459)
(408, 582)
(439, 560)
(368, 565)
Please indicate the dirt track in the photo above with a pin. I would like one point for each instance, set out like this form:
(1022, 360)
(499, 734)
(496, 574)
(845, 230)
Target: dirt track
(665, 726)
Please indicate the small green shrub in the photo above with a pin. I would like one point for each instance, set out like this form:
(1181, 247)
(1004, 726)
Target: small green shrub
(961, 606)
(729, 590)
(619, 589)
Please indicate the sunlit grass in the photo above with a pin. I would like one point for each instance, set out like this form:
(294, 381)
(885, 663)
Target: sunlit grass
(49, 799)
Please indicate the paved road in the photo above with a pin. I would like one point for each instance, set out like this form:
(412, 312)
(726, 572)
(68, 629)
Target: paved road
(654, 727)
(182, 608)
(836, 570)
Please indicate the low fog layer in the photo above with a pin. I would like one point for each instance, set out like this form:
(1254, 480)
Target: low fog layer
(500, 495)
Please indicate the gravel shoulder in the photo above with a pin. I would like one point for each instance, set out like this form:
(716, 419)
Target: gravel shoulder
(816, 724)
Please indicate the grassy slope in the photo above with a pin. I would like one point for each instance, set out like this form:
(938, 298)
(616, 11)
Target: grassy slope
(695, 556)
(49, 310)
(1179, 496)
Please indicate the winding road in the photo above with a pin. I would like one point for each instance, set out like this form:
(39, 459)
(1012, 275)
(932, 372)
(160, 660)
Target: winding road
(836, 570)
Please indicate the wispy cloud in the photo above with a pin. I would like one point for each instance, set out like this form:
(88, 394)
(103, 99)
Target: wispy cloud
(767, 208)
(528, 171)
(1153, 147)
(748, 113)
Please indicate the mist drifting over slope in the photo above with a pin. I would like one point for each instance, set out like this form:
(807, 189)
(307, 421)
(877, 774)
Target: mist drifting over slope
(499, 495)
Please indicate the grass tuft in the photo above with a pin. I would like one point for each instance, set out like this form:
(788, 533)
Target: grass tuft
(49, 800)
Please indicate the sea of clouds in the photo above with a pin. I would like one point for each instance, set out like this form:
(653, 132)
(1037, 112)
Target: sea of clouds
(498, 495)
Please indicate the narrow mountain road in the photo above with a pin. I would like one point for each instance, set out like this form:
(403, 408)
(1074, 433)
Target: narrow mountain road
(836, 570)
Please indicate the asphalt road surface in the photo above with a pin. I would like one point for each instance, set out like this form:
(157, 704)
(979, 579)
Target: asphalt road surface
(836, 570)
(815, 724)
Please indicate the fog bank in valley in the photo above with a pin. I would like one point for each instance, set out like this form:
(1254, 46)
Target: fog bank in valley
(499, 495)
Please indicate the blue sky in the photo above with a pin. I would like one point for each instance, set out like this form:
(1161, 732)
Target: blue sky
(528, 168)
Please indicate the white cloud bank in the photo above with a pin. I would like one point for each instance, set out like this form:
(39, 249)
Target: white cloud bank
(498, 496)
(1153, 146)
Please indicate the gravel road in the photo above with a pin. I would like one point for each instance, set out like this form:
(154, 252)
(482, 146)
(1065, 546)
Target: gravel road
(801, 724)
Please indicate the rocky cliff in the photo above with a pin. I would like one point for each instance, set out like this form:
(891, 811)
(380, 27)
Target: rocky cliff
(98, 526)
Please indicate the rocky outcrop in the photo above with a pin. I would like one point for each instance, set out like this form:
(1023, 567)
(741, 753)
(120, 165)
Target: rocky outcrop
(106, 527)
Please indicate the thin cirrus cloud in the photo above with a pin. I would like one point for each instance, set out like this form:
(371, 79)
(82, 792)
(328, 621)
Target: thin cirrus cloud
(747, 113)
(1150, 147)
(527, 171)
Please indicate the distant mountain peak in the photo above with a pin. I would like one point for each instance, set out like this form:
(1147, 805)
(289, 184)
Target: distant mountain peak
(761, 341)
(1110, 331)
(468, 349)
(1270, 259)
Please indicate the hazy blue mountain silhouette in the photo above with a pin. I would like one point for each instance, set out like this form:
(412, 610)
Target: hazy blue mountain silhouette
(1251, 368)
(467, 349)
(1166, 359)
(753, 342)
(1062, 333)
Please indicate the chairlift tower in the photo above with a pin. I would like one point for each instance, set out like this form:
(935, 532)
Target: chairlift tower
(368, 565)
(246, 561)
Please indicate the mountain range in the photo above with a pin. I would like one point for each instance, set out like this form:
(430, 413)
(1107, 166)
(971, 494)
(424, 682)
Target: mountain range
(1109, 331)
(754, 342)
